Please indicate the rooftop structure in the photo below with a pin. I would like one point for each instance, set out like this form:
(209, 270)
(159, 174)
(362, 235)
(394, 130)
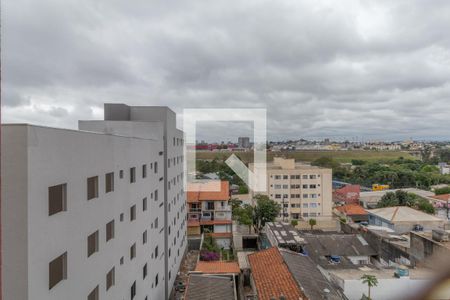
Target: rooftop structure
(370, 199)
(311, 281)
(354, 212)
(284, 235)
(275, 281)
(210, 287)
(403, 219)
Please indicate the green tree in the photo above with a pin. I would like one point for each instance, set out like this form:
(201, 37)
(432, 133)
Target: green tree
(388, 199)
(243, 189)
(244, 215)
(312, 223)
(294, 223)
(266, 210)
(371, 281)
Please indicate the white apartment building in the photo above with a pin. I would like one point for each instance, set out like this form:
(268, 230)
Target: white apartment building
(303, 191)
(95, 213)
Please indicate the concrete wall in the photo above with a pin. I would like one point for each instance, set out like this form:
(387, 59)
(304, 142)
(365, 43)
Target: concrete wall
(35, 158)
(387, 289)
(14, 212)
(323, 190)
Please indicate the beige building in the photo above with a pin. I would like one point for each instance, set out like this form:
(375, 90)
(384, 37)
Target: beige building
(304, 191)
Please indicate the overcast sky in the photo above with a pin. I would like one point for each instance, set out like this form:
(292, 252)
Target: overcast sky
(339, 69)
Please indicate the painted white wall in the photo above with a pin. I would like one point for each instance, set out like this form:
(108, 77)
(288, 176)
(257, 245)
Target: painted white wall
(387, 289)
(35, 158)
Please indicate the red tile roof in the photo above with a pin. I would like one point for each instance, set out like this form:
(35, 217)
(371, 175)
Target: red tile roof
(205, 191)
(444, 197)
(352, 209)
(217, 267)
(272, 277)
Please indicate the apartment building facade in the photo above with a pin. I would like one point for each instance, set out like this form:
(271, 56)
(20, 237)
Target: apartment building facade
(303, 191)
(85, 213)
(209, 211)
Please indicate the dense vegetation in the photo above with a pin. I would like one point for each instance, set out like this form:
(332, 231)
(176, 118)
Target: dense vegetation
(309, 156)
(399, 173)
(402, 198)
(224, 172)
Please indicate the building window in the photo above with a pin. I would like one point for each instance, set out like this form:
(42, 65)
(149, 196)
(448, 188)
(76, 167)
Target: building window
(110, 278)
(57, 270)
(285, 177)
(144, 237)
(109, 182)
(121, 260)
(133, 290)
(110, 230)
(156, 223)
(156, 280)
(94, 294)
(312, 176)
(156, 195)
(313, 205)
(133, 251)
(133, 213)
(156, 252)
(312, 186)
(144, 171)
(144, 204)
(92, 243)
(132, 175)
(144, 271)
(57, 199)
(92, 187)
(121, 174)
(305, 176)
(121, 217)
(156, 167)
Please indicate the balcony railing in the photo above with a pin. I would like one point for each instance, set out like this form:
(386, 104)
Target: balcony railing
(195, 209)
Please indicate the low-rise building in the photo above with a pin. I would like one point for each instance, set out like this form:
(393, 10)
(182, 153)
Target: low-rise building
(352, 212)
(209, 211)
(371, 199)
(404, 219)
(271, 276)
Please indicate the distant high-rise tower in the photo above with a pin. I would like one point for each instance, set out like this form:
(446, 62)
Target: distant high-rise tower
(244, 142)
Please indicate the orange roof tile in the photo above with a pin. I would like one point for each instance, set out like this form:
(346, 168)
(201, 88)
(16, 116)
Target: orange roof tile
(272, 277)
(352, 209)
(205, 191)
(217, 267)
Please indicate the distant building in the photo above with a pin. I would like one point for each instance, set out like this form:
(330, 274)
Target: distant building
(444, 168)
(244, 142)
(347, 194)
(403, 219)
(303, 191)
(209, 211)
(371, 199)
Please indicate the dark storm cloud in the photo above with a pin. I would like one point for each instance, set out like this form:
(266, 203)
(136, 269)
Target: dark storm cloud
(372, 68)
